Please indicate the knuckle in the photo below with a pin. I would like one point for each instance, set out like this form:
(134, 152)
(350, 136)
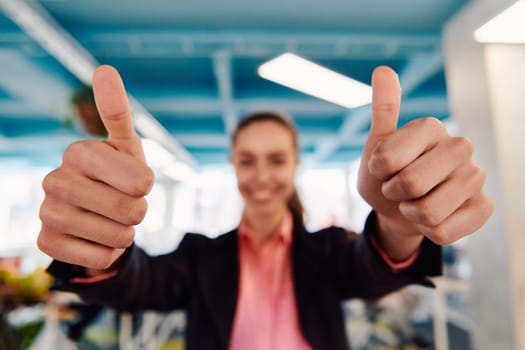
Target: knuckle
(149, 178)
(427, 214)
(435, 124)
(48, 215)
(42, 242)
(480, 175)
(464, 145)
(488, 208)
(137, 210)
(45, 213)
(382, 161)
(410, 184)
(45, 243)
(57, 185)
(80, 152)
(74, 151)
(50, 182)
(104, 261)
(431, 124)
(474, 178)
(144, 182)
(124, 238)
(438, 236)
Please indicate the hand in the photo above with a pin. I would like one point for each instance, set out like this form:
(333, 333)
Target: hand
(418, 179)
(96, 196)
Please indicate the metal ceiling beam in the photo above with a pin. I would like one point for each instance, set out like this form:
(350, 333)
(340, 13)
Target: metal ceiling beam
(59, 141)
(194, 106)
(207, 106)
(420, 68)
(14, 38)
(223, 75)
(18, 109)
(162, 43)
(351, 38)
(37, 144)
(221, 140)
(359, 118)
(28, 91)
(199, 43)
(42, 27)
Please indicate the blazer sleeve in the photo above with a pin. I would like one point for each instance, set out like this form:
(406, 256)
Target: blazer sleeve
(159, 283)
(361, 272)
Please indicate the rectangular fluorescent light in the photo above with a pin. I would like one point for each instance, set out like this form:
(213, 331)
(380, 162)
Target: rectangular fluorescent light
(300, 74)
(508, 27)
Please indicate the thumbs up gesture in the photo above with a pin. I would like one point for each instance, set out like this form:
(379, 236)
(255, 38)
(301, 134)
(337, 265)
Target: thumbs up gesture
(419, 180)
(96, 196)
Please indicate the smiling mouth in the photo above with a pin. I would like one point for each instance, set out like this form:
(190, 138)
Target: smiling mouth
(262, 196)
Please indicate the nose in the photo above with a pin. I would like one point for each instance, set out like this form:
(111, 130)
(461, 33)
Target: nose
(262, 174)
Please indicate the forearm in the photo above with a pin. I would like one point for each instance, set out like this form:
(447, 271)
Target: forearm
(373, 275)
(140, 283)
(397, 237)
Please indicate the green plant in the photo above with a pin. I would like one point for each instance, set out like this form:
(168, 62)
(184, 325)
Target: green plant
(83, 100)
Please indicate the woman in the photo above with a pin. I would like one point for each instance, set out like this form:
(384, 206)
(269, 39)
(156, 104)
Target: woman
(267, 284)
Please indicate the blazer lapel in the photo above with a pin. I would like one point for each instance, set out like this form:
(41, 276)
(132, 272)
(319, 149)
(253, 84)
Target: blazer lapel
(220, 279)
(305, 270)
(220, 282)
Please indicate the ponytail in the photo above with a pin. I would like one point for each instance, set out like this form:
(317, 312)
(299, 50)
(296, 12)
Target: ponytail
(296, 208)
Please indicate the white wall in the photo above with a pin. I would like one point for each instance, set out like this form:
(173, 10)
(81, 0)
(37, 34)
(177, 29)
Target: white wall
(487, 100)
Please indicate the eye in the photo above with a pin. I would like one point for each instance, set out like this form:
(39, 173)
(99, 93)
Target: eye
(246, 162)
(278, 161)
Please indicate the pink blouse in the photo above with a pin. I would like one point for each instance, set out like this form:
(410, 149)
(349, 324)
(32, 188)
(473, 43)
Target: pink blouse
(266, 315)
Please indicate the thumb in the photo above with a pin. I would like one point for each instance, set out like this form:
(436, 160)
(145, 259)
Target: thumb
(113, 106)
(386, 101)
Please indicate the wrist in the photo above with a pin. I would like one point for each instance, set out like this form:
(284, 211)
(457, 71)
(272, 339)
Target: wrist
(398, 237)
(112, 269)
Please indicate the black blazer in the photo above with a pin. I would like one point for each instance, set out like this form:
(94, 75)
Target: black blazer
(201, 276)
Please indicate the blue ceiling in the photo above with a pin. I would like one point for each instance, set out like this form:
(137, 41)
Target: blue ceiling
(193, 66)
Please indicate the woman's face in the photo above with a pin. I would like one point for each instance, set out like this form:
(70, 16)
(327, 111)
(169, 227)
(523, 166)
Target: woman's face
(265, 161)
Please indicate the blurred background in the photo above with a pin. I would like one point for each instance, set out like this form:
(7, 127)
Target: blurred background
(192, 70)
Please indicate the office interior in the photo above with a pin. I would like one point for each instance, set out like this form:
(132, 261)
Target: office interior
(192, 70)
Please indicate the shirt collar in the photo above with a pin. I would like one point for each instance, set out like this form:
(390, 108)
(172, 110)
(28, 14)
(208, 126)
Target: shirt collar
(283, 230)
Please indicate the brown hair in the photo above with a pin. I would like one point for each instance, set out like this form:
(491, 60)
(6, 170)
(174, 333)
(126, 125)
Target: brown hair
(294, 202)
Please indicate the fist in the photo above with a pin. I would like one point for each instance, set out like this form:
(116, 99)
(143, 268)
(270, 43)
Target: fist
(96, 196)
(419, 179)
